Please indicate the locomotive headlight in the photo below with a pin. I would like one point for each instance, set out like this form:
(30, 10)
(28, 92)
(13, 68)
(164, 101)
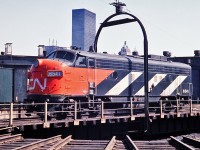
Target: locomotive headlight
(53, 73)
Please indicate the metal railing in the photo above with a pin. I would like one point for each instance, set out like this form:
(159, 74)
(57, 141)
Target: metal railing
(179, 107)
(13, 112)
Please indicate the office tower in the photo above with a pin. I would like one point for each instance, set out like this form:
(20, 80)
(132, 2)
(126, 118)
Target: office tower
(83, 28)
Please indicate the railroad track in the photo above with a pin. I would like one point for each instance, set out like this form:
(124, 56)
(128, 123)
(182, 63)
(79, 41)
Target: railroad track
(122, 144)
(189, 142)
(154, 144)
(17, 142)
(72, 144)
(186, 142)
(126, 143)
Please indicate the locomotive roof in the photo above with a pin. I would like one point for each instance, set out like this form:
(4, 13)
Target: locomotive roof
(132, 58)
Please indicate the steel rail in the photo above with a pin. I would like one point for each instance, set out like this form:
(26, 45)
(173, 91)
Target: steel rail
(10, 138)
(111, 144)
(61, 143)
(38, 144)
(5, 135)
(180, 143)
(6, 128)
(130, 143)
(194, 142)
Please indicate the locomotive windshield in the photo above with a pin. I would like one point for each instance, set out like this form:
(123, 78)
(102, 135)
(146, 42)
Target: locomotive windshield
(62, 55)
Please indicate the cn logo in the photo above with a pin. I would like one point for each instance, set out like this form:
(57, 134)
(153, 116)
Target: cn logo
(36, 81)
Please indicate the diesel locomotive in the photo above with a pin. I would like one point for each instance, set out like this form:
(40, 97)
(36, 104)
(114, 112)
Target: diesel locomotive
(69, 75)
(72, 75)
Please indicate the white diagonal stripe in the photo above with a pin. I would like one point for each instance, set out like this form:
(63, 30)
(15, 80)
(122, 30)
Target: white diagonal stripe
(124, 83)
(173, 86)
(157, 78)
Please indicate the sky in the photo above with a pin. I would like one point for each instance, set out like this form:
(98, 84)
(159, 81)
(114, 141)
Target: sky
(171, 25)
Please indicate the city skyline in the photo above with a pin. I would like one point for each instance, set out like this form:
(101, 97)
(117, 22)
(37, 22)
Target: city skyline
(170, 25)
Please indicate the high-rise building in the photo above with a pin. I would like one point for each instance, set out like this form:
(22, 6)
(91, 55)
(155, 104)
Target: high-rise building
(83, 28)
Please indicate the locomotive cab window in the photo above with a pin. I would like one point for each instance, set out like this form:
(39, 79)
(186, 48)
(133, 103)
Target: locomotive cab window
(51, 56)
(80, 61)
(91, 63)
(62, 55)
(69, 56)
